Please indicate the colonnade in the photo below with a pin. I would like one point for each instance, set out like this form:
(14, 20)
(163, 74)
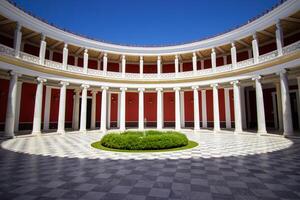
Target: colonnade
(12, 112)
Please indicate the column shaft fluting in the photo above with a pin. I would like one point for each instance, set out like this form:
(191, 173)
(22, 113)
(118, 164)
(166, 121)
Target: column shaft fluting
(177, 109)
(196, 108)
(123, 109)
(83, 108)
(216, 108)
(38, 106)
(62, 108)
(261, 121)
(103, 108)
(159, 113)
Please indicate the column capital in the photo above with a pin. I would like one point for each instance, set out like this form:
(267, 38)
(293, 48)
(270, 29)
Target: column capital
(64, 83)
(65, 46)
(176, 88)
(254, 36)
(235, 82)
(176, 57)
(158, 58)
(195, 87)
(12, 73)
(141, 58)
(77, 91)
(141, 89)
(123, 57)
(283, 71)
(123, 89)
(94, 91)
(18, 26)
(214, 85)
(104, 88)
(194, 54)
(43, 37)
(105, 54)
(159, 89)
(213, 50)
(86, 50)
(85, 86)
(41, 80)
(278, 24)
(232, 44)
(256, 78)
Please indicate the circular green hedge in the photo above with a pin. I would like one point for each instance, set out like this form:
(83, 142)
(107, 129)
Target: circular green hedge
(147, 140)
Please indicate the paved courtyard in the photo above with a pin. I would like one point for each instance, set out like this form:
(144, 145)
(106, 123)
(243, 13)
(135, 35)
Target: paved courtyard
(223, 166)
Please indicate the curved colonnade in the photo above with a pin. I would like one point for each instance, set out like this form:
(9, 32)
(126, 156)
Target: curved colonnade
(116, 71)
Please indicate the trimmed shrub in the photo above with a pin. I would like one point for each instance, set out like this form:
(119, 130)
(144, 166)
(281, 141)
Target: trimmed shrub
(148, 140)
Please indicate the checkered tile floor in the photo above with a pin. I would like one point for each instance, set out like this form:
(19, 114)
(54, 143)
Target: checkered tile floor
(223, 166)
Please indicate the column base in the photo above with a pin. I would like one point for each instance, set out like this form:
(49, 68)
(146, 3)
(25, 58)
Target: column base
(217, 130)
(36, 133)
(238, 131)
(261, 132)
(287, 134)
(60, 132)
(82, 130)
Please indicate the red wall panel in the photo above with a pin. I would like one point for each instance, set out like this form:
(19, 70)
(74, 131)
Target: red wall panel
(132, 68)
(291, 39)
(92, 64)
(242, 56)
(114, 108)
(209, 106)
(80, 62)
(169, 106)
(98, 106)
(132, 106)
(27, 102)
(188, 66)
(219, 61)
(207, 64)
(150, 106)
(54, 105)
(69, 105)
(188, 106)
(267, 48)
(33, 50)
(7, 41)
(71, 60)
(148, 69)
(4, 86)
(231, 98)
(114, 67)
(57, 57)
(221, 104)
(168, 68)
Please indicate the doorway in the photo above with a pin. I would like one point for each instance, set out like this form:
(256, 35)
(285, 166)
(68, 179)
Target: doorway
(294, 108)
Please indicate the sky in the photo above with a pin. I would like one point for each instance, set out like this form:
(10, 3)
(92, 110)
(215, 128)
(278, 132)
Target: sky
(147, 22)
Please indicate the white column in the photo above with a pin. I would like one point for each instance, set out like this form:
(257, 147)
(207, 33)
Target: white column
(237, 107)
(123, 65)
(62, 107)
(243, 104)
(105, 63)
(225, 60)
(17, 39)
(65, 56)
(104, 109)
(261, 121)
(250, 53)
(18, 105)
(43, 46)
(213, 59)
(11, 106)
(182, 115)
(93, 110)
(47, 108)
(196, 108)
(141, 108)
(181, 67)
(233, 55)
(204, 114)
(141, 66)
(38, 106)
(255, 48)
(83, 108)
(76, 60)
(176, 65)
(286, 105)
(119, 109)
(109, 110)
(76, 109)
(85, 61)
(177, 109)
(279, 107)
(99, 63)
(216, 107)
(194, 62)
(158, 65)
(279, 38)
(159, 113)
(227, 108)
(123, 109)
(202, 64)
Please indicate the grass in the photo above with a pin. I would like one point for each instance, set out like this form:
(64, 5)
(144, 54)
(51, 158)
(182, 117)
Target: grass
(98, 145)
